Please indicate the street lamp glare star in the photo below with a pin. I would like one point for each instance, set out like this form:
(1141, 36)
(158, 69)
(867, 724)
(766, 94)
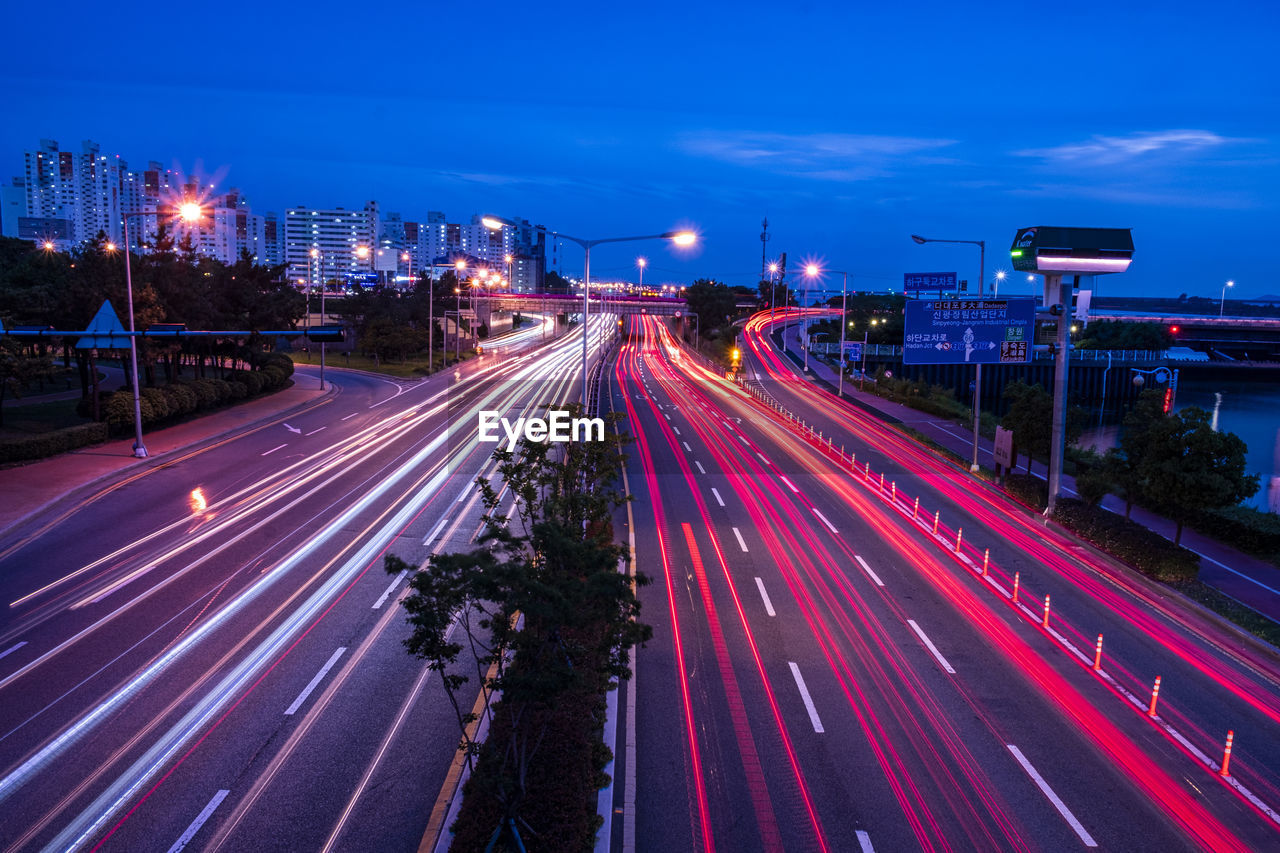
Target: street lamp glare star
(190, 211)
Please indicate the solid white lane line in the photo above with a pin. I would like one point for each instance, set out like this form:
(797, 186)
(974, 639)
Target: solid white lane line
(808, 700)
(382, 599)
(719, 499)
(789, 485)
(768, 605)
(1053, 798)
(12, 649)
(314, 431)
(929, 644)
(701, 470)
(686, 446)
(829, 525)
(315, 682)
(864, 841)
(741, 542)
(435, 531)
(185, 838)
(350, 416)
(274, 449)
(867, 569)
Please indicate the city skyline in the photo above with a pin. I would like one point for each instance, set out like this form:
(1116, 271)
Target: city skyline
(867, 127)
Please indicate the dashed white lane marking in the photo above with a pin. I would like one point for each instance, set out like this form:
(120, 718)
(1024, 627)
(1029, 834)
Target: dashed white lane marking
(382, 599)
(930, 646)
(185, 838)
(306, 691)
(314, 431)
(701, 470)
(789, 484)
(686, 446)
(719, 499)
(768, 605)
(676, 430)
(808, 700)
(829, 525)
(867, 569)
(435, 531)
(14, 648)
(744, 440)
(763, 459)
(274, 449)
(741, 542)
(864, 841)
(1053, 798)
(350, 416)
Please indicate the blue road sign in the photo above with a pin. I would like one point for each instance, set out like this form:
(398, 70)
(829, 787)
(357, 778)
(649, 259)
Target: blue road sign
(938, 281)
(969, 331)
(853, 350)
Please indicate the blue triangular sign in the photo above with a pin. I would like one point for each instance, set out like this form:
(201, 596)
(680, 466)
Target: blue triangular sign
(104, 330)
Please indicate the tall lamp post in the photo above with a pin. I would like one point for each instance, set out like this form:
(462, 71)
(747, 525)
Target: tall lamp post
(813, 271)
(187, 212)
(773, 288)
(459, 267)
(642, 262)
(1222, 303)
(977, 376)
(680, 238)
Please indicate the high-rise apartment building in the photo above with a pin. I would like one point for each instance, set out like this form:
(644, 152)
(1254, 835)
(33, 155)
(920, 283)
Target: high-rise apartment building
(83, 189)
(345, 242)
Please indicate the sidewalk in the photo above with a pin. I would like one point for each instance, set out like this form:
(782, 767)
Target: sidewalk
(1249, 580)
(28, 489)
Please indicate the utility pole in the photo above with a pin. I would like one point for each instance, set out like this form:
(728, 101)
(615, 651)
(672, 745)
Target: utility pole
(764, 249)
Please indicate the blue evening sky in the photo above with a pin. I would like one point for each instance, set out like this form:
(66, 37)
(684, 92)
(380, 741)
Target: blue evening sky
(850, 125)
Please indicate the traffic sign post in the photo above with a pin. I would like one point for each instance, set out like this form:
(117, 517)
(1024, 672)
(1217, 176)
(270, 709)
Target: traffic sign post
(969, 331)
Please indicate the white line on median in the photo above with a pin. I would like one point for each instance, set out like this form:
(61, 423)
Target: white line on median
(867, 569)
(205, 814)
(768, 605)
(274, 449)
(789, 485)
(741, 542)
(763, 459)
(324, 670)
(719, 499)
(929, 644)
(864, 841)
(382, 599)
(1053, 798)
(435, 531)
(808, 700)
(829, 525)
(701, 470)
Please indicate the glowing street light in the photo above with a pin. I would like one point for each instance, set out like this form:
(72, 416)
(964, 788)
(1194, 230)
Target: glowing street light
(680, 238)
(1222, 303)
(812, 271)
(187, 212)
(1001, 275)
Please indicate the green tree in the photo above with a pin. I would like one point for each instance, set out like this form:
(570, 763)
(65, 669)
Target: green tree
(540, 608)
(713, 302)
(1030, 416)
(1119, 334)
(1187, 467)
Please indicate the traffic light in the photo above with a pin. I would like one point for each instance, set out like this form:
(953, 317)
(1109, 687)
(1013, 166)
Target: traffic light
(1173, 330)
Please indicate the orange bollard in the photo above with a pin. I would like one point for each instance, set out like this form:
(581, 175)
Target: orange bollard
(1097, 656)
(868, 470)
(959, 536)
(1155, 694)
(1226, 754)
(1016, 578)
(915, 510)
(853, 462)
(935, 522)
(986, 557)
(1045, 622)
(893, 491)
(882, 481)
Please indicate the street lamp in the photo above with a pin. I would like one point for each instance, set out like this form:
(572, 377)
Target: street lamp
(187, 212)
(642, 262)
(812, 270)
(773, 288)
(1001, 275)
(680, 238)
(977, 376)
(1222, 303)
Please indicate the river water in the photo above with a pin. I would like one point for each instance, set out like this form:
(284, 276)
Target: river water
(1251, 410)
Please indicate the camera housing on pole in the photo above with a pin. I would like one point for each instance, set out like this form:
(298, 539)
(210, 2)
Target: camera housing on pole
(1053, 252)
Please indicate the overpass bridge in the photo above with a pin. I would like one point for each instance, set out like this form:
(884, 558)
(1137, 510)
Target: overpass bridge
(1225, 338)
(568, 303)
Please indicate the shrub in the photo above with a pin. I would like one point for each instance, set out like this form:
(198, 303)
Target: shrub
(280, 360)
(273, 377)
(251, 379)
(239, 390)
(118, 411)
(206, 393)
(222, 390)
(1128, 541)
(1244, 527)
(52, 443)
(159, 405)
(1028, 490)
(181, 399)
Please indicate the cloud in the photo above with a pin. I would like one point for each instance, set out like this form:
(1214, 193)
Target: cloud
(1113, 150)
(1143, 196)
(819, 156)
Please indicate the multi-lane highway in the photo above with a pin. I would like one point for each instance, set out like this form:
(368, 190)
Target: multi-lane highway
(840, 676)
(850, 652)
